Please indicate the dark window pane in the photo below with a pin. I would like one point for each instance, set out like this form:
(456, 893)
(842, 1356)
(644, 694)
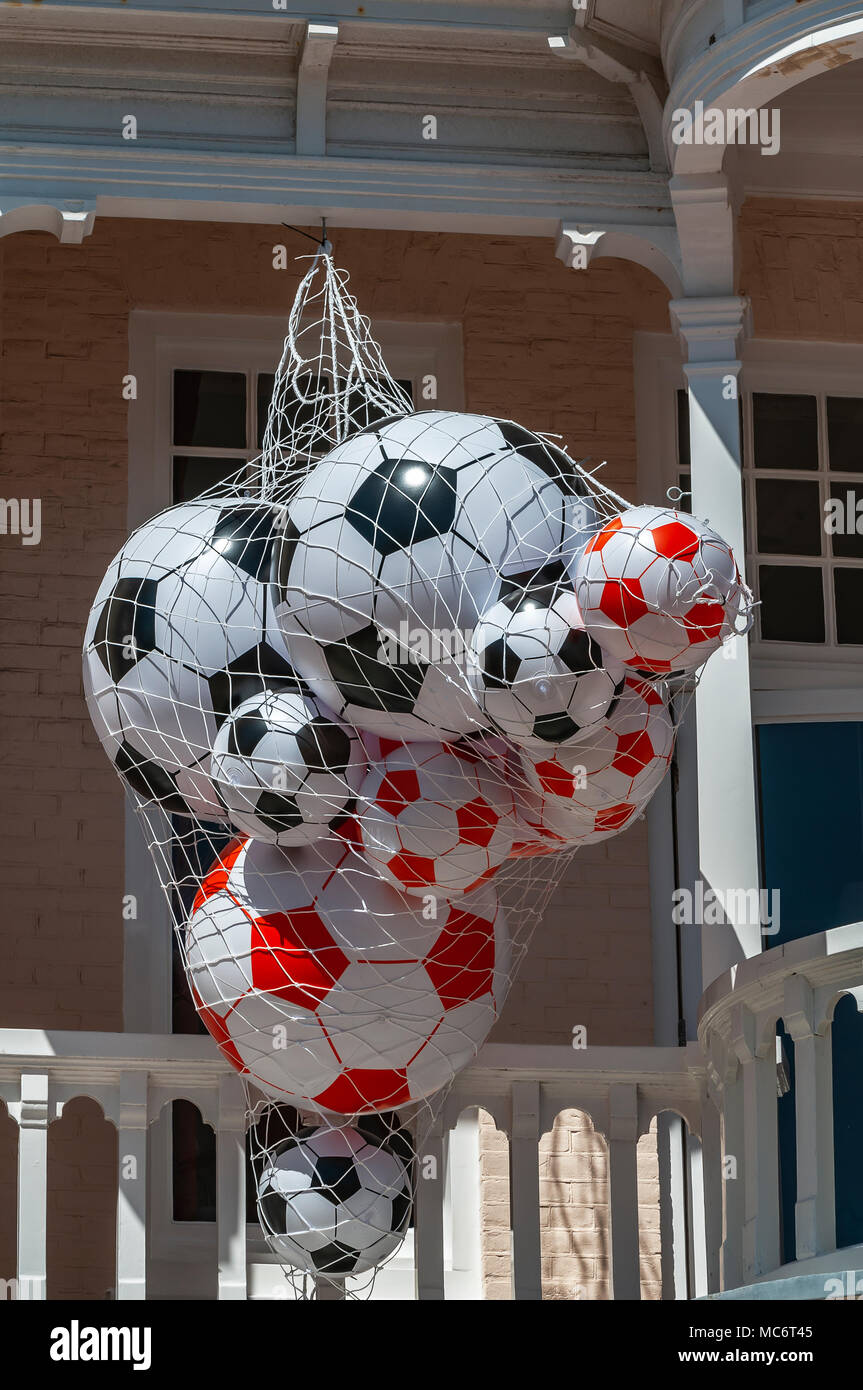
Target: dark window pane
(792, 603)
(786, 431)
(789, 517)
(683, 454)
(210, 409)
(845, 433)
(848, 588)
(194, 1165)
(266, 382)
(192, 476)
(300, 410)
(845, 513)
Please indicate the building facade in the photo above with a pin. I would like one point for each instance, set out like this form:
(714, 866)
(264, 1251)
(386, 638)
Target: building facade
(636, 224)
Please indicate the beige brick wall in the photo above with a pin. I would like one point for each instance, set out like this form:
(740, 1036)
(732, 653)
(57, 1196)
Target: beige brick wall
(82, 1183)
(550, 347)
(802, 267)
(573, 1198)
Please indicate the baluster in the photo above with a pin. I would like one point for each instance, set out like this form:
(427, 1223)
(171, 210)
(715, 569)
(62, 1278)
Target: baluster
(815, 1211)
(31, 1112)
(623, 1190)
(132, 1136)
(231, 1189)
(711, 1171)
(428, 1230)
(756, 1052)
(524, 1168)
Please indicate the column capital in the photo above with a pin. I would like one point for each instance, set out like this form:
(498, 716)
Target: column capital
(713, 329)
(752, 1036)
(653, 245)
(132, 1100)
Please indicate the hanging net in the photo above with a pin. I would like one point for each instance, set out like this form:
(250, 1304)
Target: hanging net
(369, 698)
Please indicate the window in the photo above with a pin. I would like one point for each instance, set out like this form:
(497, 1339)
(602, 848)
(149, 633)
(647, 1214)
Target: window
(804, 477)
(803, 498)
(219, 419)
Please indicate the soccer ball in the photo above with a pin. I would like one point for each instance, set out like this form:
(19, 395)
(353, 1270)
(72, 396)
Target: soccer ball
(284, 770)
(435, 819)
(549, 824)
(620, 766)
(394, 545)
(536, 673)
(181, 630)
(334, 1201)
(660, 590)
(331, 990)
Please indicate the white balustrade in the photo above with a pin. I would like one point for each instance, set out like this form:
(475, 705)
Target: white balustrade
(724, 1088)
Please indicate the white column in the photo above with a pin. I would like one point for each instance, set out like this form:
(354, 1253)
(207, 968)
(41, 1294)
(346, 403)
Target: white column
(672, 1204)
(623, 1191)
(815, 1210)
(733, 1194)
(756, 1053)
(132, 1187)
(524, 1168)
(32, 1116)
(711, 1174)
(231, 1188)
(712, 330)
(463, 1173)
(428, 1234)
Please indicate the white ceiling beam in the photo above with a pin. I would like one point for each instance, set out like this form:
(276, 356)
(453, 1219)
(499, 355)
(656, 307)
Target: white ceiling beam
(312, 78)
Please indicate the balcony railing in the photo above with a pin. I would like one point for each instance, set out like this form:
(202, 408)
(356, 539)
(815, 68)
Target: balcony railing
(800, 984)
(723, 1088)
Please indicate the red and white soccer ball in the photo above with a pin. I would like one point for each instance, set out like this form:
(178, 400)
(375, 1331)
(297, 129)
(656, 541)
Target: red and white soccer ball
(329, 989)
(660, 590)
(435, 818)
(619, 767)
(550, 824)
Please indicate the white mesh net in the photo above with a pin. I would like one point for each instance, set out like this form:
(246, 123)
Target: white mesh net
(369, 697)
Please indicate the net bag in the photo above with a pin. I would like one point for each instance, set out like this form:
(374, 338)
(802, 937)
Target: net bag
(369, 698)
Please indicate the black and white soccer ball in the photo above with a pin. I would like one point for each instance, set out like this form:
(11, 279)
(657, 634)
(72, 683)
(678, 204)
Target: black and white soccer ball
(394, 545)
(284, 769)
(535, 672)
(334, 1202)
(180, 632)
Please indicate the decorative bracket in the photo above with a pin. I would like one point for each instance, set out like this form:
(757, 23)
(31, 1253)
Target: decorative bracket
(70, 222)
(312, 79)
(639, 71)
(654, 247)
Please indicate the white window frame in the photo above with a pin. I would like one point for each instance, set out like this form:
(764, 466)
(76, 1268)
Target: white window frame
(159, 344)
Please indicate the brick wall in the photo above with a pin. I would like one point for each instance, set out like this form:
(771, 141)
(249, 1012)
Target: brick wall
(548, 346)
(574, 1222)
(802, 267)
